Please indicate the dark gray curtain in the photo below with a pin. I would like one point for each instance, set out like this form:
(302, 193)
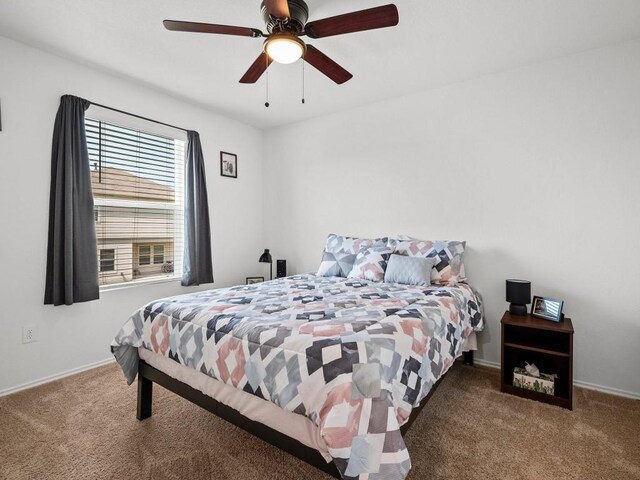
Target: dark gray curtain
(72, 259)
(197, 232)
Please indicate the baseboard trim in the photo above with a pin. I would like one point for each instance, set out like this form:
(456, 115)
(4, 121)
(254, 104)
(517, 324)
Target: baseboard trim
(485, 363)
(610, 390)
(56, 376)
(578, 383)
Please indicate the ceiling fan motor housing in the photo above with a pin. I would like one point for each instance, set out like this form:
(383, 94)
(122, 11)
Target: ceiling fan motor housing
(299, 15)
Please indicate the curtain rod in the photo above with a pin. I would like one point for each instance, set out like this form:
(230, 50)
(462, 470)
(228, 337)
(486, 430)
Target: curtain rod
(138, 116)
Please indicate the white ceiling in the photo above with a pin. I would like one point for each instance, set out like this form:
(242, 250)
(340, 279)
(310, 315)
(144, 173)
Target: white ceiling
(437, 42)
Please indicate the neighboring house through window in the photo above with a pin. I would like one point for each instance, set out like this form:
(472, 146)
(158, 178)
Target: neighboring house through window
(137, 180)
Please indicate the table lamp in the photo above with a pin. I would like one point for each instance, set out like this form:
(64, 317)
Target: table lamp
(266, 258)
(518, 295)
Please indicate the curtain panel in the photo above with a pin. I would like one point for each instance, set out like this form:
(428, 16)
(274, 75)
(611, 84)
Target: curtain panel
(198, 268)
(72, 258)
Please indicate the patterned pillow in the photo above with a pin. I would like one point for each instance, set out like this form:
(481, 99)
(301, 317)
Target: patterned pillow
(337, 264)
(371, 263)
(340, 253)
(339, 243)
(449, 267)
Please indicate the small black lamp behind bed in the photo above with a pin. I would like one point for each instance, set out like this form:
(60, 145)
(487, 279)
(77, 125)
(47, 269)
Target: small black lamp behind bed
(266, 258)
(519, 295)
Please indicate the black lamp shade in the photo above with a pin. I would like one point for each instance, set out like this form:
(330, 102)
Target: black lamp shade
(266, 257)
(519, 295)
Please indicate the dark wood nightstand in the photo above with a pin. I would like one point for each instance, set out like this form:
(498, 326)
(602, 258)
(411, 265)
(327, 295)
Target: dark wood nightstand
(547, 344)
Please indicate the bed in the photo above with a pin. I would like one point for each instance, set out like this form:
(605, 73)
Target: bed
(331, 369)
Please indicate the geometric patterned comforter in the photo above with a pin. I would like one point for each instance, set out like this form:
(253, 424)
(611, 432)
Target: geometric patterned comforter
(353, 356)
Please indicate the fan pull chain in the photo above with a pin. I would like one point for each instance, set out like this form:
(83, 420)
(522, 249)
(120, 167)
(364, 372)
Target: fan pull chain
(266, 104)
(303, 80)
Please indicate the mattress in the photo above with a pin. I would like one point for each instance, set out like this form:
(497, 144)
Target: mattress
(353, 357)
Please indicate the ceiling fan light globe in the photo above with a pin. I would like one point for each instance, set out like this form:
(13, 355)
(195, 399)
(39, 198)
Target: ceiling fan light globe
(284, 49)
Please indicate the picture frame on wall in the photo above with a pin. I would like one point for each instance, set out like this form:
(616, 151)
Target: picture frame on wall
(254, 280)
(547, 308)
(228, 165)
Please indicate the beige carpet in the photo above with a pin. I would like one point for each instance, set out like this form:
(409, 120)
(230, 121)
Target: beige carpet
(84, 427)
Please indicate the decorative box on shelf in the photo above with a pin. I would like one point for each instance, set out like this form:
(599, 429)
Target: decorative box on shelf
(544, 383)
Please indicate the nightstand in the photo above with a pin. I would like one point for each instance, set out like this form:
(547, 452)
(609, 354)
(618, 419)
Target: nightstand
(547, 344)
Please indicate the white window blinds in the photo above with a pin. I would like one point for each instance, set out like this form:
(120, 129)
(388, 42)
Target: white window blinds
(137, 181)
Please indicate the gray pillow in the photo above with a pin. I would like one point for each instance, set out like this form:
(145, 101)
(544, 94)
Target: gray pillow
(409, 270)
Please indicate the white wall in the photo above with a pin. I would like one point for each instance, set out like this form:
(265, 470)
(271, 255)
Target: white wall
(31, 83)
(537, 168)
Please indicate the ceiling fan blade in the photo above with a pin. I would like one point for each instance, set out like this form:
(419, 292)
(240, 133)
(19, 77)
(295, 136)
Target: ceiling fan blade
(277, 8)
(257, 69)
(178, 26)
(331, 69)
(370, 19)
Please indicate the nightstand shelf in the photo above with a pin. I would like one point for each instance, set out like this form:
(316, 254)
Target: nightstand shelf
(535, 349)
(547, 344)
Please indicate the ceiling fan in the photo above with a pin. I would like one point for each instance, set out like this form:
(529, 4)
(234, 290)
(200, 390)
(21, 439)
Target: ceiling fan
(286, 22)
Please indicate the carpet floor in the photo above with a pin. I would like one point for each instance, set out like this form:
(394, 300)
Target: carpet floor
(84, 427)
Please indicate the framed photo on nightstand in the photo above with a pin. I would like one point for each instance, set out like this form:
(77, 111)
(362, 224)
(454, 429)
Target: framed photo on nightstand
(547, 308)
(253, 280)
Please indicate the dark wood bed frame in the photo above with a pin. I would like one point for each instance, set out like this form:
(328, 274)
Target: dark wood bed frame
(148, 375)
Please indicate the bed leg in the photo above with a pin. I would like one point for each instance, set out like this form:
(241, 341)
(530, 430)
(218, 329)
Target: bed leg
(145, 397)
(467, 358)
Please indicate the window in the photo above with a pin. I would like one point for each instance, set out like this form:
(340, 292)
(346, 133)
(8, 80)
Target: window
(137, 180)
(107, 260)
(147, 253)
(144, 255)
(158, 254)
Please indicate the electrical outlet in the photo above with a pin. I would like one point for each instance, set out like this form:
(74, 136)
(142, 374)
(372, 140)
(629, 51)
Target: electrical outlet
(29, 334)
